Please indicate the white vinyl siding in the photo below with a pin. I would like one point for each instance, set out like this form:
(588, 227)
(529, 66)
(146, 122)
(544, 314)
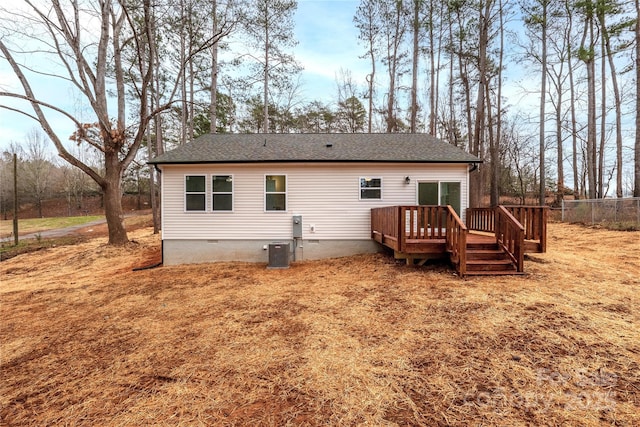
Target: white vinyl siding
(326, 195)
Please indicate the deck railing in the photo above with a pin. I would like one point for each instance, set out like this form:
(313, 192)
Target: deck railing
(534, 221)
(393, 225)
(424, 222)
(532, 218)
(456, 237)
(510, 235)
(407, 228)
(385, 226)
(481, 219)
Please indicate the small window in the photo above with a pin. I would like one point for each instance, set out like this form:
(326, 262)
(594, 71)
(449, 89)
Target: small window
(222, 193)
(370, 188)
(275, 192)
(195, 193)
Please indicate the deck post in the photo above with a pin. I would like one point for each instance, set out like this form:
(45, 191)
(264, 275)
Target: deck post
(402, 224)
(543, 229)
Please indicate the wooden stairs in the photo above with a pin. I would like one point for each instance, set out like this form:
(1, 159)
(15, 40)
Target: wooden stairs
(486, 258)
(493, 242)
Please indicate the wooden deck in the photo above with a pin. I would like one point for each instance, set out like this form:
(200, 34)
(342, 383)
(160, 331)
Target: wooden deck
(493, 241)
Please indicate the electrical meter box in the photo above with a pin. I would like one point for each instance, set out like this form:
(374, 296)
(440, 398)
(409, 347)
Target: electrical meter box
(297, 226)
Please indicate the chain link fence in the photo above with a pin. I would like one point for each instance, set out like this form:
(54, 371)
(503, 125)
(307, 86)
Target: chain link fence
(596, 211)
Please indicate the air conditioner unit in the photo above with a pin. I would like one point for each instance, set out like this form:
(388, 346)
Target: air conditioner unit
(278, 255)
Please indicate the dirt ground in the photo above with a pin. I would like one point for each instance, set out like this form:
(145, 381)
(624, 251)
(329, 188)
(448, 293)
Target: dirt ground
(85, 340)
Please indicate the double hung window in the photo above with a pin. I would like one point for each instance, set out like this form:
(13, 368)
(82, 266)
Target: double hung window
(222, 193)
(195, 193)
(370, 188)
(275, 198)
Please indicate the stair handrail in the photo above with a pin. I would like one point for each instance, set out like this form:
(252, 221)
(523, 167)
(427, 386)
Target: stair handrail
(534, 219)
(510, 236)
(456, 240)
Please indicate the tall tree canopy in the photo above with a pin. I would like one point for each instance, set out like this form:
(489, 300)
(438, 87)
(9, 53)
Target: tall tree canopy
(103, 48)
(155, 74)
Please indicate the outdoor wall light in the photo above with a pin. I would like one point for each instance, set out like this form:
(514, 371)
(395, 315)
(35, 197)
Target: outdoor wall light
(407, 180)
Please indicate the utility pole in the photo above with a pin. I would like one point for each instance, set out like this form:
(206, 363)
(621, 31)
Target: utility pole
(15, 199)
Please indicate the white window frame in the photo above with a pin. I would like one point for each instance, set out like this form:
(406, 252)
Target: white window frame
(360, 188)
(286, 192)
(213, 193)
(186, 193)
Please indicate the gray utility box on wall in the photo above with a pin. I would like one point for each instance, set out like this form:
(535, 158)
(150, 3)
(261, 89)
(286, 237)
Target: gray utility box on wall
(297, 226)
(278, 255)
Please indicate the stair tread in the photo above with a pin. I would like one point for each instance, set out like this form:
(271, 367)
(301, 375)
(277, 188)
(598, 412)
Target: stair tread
(489, 261)
(494, 273)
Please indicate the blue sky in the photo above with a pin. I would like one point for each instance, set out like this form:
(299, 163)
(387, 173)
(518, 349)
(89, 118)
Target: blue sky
(327, 41)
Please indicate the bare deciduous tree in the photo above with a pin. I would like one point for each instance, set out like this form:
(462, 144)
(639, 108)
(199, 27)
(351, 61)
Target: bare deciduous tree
(636, 174)
(37, 168)
(91, 45)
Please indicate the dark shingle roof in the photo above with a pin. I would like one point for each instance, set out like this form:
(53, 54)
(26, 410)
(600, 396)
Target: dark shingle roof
(327, 147)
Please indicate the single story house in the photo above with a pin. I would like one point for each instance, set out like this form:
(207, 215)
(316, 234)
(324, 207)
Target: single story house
(228, 197)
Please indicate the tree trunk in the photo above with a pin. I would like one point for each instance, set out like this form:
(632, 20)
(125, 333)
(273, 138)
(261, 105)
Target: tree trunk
(543, 101)
(559, 147)
(394, 42)
(414, 68)
(16, 205)
(433, 110)
(496, 165)
(183, 77)
(588, 58)
(366, 19)
(603, 114)
(636, 173)
(617, 102)
(265, 88)
(213, 109)
(476, 182)
(112, 196)
(591, 130)
(436, 84)
(572, 105)
(191, 98)
(370, 78)
(391, 123)
(464, 77)
(451, 125)
(493, 154)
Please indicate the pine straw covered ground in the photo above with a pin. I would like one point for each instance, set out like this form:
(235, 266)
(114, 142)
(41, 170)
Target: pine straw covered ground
(359, 340)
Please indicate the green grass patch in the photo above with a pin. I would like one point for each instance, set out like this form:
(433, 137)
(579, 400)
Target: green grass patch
(9, 250)
(34, 225)
(622, 226)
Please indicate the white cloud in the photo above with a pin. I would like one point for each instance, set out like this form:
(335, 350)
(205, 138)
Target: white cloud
(327, 42)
